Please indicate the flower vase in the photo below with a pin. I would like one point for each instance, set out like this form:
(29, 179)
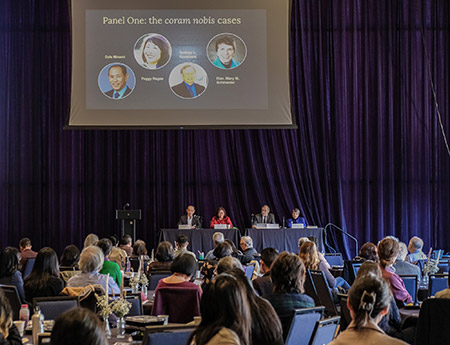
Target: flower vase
(135, 288)
(106, 327)
(121, 326)
(144, 290)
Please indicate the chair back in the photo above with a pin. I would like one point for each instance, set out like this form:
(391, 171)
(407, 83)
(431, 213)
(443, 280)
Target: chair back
(164, 335)
(302, 325)
(29, 264)
(443, 267)
(325, 331)
(356, 266)
(434, 322)
(437, 254)
(310, 289)
(134, 263)
(249, 271)
(437, 282)
(52, 307)
(181, 303)
(346, 318)
(12, 295)
(410, 281)
(155, 277)
(323, 292)
(421, 264)
(334, 259)
(136, 304)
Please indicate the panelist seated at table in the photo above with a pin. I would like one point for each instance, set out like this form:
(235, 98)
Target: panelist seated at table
(190, 218)
(265, 217)
(296, 219)
(221, 218)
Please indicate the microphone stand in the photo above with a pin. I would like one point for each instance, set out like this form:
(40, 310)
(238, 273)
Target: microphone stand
(342, 232)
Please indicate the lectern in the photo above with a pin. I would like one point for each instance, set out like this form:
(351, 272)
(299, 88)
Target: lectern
(128, 221)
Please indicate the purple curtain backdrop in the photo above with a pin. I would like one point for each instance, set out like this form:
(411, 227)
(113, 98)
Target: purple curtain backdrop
(368, 156)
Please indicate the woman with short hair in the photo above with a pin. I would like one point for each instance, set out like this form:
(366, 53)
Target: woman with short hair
(164, 256)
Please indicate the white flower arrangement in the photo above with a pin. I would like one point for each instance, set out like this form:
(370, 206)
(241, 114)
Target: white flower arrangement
(431, 267)
(103, 304)
(121, 307)
(139, 279)
(144, 280)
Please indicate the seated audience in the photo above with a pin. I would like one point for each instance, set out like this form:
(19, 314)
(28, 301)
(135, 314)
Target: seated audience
(139, 252)
(44, 280)
(190, 218)
(109, 267)
(91, 262)
(119, 256)
(415, 250)
(368, 301)
(247, 250)
(228, 263)
(367, 252)
(25, 252)
(387, 252)
(288, 276)
(236, 252)
(296, 219)
(444, 293)
(90, 240)
(70, 258)
(164, 256)
(403, 267)
(217, 238)
(221, 218)
(9, 270)
(181, 244)
(78, 326)
(310, 258)
(266, 326)
(126, 243)
(226, 314)
(263, 285)
(222, 250)
(9, 334)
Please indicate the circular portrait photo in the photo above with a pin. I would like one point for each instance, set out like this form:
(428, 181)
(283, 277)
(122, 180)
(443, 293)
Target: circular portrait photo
(116, 81)
(188, 80)
(152, 51)
(226, 51)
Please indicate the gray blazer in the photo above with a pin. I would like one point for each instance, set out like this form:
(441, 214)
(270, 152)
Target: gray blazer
(259, 219)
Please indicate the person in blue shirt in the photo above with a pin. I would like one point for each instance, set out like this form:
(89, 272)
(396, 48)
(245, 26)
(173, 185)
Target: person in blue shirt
(225, 50)
(296, 219)
(118, 77)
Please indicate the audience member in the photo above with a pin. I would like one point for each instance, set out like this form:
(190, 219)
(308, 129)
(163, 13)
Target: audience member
(415, 250)
(263, 285)
(387, 252)
(222, 250)
(288, 276)
(236, 252)
(140, 252)
(302, 240)
(25, 252)
(181, 244)
(70, 258)
(221, 218)
(91, 261)
(266, 326)
(9, 270)
(401, 266)
(9, 334)
(90, 240)
(217, 238)
(164, 257)
(228, 263)
(119, 256)
(367, 252)
(44, 280)
(368, 301)
(226, 314)
(109, 267)
(78, 326)
(247, 250)
(126, 244)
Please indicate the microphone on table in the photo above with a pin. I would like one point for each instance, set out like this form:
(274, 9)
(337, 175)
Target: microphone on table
(252, 219)
(284, 222)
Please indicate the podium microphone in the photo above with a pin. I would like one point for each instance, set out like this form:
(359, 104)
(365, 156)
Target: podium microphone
(125, 206)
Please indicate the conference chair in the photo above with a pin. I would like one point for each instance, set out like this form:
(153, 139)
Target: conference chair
(249, 271)
(310, 289)
(410, 281)
(443, 267)
(134, 263)
(155, 277)
(346, 317)
(325, 331)
(434, 322)
(334, 259)
(323, 292)
(168, 334)
(437, 282)
(302, 325)
(12, 295)
(136, 304)
(29, 264)
(52, 307)
(356, 266)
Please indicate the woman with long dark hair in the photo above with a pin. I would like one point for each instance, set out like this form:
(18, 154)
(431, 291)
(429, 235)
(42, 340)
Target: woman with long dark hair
(9, 270)
(44, 280)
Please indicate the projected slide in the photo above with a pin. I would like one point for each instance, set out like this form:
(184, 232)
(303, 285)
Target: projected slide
(156, 66)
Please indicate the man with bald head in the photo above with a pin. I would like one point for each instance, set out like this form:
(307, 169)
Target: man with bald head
(188, 88)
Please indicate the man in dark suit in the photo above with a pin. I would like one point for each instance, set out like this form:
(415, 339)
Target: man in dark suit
(118, 77)
(190, 218)
(188, 89)
(247, 250)
(263, 285)
(264, 217)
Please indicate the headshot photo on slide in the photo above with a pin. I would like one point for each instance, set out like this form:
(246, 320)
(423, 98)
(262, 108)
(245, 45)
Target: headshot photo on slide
(188, 80)
(116, 81)
(226, 51)
(152, 51)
